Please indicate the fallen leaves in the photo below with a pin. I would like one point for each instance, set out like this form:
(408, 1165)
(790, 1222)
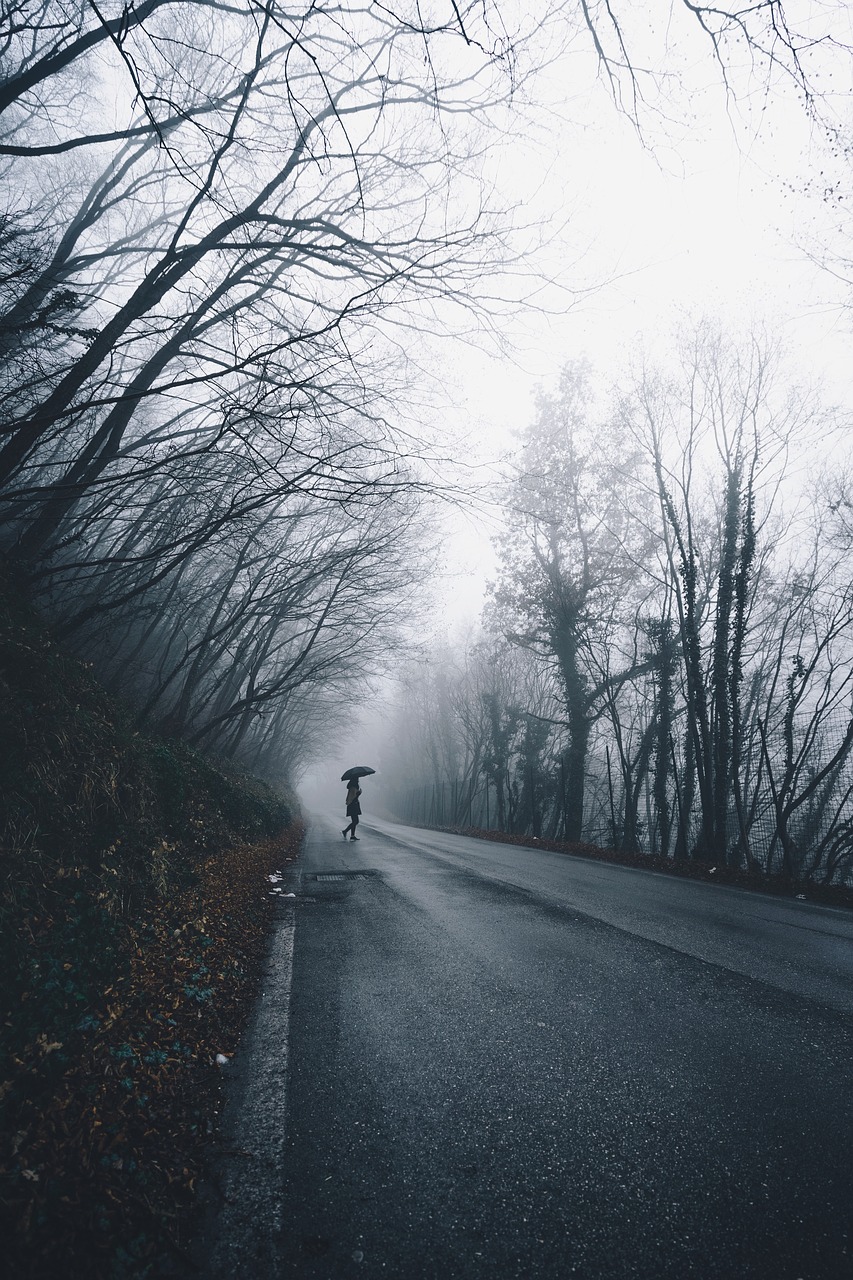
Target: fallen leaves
(114, 1149)
(123, 880)
(45, 1047)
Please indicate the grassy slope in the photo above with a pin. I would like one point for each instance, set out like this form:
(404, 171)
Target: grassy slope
(133, 919)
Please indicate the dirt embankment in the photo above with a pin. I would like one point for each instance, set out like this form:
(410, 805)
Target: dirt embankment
(134, 912)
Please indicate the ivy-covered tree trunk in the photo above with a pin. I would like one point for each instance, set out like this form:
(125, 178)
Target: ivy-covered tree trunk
(742, 583)
(577, 715)
(715, 831)
(686, 796)
(662, 637)
(576, 755)
(698, 745)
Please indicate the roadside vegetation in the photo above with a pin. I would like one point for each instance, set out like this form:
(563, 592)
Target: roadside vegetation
(134, 915)
(664, 667)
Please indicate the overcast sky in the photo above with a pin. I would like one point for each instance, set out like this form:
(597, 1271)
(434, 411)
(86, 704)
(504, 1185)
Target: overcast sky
(715, 211)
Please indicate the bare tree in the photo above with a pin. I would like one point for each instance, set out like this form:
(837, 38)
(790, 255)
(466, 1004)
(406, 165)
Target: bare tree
(709, 615)
(222, 224)
(201, 325)
(568, 555)
(720, 416)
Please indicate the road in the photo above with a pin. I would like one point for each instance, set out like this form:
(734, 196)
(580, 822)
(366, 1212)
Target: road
(497, 1061)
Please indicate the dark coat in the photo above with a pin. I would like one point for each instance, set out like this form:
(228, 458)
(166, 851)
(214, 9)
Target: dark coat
(353, 807)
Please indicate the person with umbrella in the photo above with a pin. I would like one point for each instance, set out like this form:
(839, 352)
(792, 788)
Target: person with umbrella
(353, 792)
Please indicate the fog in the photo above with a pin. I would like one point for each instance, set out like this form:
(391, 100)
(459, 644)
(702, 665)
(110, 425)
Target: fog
(294, 452)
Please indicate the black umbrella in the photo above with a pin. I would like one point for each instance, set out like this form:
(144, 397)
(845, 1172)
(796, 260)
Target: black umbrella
(357, 771)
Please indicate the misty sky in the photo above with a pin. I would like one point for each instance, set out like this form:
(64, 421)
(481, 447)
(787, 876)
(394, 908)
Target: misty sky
(717, 210)
(716, 207)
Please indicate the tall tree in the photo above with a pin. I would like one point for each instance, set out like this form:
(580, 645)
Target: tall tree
(568, 553)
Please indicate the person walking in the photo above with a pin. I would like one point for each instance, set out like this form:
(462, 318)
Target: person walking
(353, 809)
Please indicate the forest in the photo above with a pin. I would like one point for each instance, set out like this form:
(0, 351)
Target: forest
(665, 662)
(200, 371)
(230, 235)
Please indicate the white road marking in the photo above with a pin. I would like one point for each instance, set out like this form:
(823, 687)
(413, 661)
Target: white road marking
(249, 1223)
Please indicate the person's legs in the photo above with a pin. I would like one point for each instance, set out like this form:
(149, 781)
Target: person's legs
(354, 824)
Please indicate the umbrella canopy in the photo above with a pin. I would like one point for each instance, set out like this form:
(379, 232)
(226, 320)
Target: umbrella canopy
(357, 771)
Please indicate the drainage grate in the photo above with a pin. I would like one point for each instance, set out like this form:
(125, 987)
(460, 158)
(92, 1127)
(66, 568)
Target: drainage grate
(340, 875)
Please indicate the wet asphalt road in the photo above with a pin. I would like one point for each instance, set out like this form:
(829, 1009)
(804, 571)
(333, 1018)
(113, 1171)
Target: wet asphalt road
(504, 1062)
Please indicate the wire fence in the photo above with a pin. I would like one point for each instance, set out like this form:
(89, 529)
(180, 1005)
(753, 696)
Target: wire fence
(818, 830)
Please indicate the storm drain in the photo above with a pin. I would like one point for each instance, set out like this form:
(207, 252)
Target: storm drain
(325, 876)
